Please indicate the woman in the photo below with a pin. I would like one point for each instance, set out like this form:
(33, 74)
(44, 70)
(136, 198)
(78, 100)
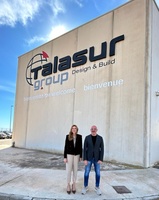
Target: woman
(72, 156)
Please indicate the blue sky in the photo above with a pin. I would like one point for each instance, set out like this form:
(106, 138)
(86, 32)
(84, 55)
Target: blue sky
(27, 24)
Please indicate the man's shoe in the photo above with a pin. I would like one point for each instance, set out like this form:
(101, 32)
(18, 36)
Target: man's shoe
(98, 191)
(84, 190)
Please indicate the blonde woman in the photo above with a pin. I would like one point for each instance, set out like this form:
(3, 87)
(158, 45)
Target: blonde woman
(72, 156)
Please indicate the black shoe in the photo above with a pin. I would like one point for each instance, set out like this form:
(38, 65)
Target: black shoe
(68, 189)
(73, 189)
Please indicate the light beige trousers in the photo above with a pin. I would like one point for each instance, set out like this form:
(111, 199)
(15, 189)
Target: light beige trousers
(72, 166)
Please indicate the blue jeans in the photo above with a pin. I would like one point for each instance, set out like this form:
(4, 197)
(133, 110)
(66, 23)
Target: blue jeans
(88, 169)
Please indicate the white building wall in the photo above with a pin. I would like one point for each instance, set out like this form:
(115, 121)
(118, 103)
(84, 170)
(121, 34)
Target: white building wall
(154, 117)
(42, 119)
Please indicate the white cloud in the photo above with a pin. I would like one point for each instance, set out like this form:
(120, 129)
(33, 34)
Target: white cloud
(79, 2)
(57, 6)
(35, 39)
(13, 11)
(56, 31)
(8, 87)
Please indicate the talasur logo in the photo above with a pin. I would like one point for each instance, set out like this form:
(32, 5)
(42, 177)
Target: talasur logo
(46, 70)
(40, 58)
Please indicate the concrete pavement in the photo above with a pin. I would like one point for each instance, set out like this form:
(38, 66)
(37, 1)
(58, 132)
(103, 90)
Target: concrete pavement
(34, 175)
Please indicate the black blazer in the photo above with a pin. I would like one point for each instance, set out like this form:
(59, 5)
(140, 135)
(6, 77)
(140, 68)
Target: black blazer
(93, 151)
(69, 146)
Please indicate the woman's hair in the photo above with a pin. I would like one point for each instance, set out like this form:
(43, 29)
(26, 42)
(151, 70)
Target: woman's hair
(70, 136)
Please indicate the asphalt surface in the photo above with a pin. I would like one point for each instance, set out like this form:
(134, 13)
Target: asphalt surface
(36, 175)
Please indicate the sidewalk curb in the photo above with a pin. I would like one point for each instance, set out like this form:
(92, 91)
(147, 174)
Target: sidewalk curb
(4, 196)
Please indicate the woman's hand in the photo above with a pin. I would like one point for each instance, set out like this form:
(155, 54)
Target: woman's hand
(65, 160)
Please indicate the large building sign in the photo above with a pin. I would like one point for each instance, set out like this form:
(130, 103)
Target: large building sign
(103, 73)
(65, 63)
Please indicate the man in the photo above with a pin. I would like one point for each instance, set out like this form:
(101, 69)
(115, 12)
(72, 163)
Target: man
(93, 153)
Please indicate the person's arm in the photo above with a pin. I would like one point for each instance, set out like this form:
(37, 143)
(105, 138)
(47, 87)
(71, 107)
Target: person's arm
(65, 150)
(101, 150)
(85, 151)
(81, 147)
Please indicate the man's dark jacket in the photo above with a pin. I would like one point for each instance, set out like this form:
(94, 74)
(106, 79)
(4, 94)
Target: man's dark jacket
(93, 151)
